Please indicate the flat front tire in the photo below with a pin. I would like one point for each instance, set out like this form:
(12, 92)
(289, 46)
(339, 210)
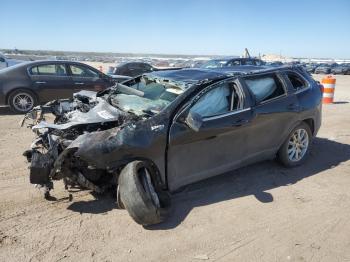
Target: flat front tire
(139, 197)
(296, 148)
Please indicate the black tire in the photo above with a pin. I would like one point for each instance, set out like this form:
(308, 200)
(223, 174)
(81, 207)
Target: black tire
(139, 197)
(283, 153)
(27, 94)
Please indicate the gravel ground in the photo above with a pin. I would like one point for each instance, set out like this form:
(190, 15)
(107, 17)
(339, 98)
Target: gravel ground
(263, 212)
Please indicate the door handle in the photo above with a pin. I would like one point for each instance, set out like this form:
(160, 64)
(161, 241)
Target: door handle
(78, 83)
(40, 82)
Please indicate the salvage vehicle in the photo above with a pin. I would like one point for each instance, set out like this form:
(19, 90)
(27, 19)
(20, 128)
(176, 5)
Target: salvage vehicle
(159, 132)
(25, 85)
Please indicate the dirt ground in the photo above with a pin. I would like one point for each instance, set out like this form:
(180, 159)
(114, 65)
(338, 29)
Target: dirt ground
(263, 212)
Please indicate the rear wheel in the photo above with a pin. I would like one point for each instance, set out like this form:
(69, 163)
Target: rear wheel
(139, 197)
(296, 148)
(22, 101)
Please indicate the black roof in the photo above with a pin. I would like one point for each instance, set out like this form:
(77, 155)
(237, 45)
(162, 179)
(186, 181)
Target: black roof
(195, 75)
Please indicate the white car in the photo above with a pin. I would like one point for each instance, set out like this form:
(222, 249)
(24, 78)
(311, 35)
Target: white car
(6, 62)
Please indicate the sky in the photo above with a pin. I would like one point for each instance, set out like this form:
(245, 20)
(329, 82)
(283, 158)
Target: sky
(297, 28)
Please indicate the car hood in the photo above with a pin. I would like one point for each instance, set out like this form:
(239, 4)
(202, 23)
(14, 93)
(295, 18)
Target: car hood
(101, 113)
(86, 108)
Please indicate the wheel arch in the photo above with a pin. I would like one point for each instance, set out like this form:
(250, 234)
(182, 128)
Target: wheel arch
(311, 123)
(8, 94)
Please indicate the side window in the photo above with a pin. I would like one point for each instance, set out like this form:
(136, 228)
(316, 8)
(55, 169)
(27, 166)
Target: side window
(147, 67)
(234, 63)
(34, 71)
(265, 87)
(49, 70)
(120, 70)
(297, 82)
(132, 66)
(214, 102)
(140, 66)
(259, 62)
(2, 60)
(249, 62)
(81, 71)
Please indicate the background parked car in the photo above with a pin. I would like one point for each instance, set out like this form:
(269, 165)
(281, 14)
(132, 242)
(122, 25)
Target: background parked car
(6, 62)
(229, 62)
(325, 68)
(24, 85)
(341, 70)
(276, 63)
(311, 68)
(131, 69)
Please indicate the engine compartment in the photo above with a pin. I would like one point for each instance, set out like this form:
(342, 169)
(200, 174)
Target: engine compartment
(50, 155)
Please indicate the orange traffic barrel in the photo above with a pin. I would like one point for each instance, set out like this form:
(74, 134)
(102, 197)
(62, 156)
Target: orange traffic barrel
(328, 84)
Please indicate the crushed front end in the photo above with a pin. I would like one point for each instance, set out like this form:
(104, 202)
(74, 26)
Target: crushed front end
(52, 153)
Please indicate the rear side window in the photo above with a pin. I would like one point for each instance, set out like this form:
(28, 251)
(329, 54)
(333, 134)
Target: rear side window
(81, 71)
(265, 87)
(147, 67)
(297, 81)
(259, 62)
(49, 70)
(249, 62)
(234, 63)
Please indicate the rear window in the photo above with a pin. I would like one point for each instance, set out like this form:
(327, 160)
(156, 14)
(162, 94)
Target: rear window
(265, 87)
(297, 81)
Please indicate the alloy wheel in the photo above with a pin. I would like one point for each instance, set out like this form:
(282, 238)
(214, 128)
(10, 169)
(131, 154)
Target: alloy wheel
(23, 102)
(298, 145)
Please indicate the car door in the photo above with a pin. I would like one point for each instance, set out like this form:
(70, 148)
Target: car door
(275, 112)
(51, 81)
(86, 78)
(218, 145)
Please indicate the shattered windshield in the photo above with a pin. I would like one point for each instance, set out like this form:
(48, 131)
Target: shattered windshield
(150, 96)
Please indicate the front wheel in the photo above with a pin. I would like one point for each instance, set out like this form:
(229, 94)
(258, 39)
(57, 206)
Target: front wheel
(139, 197)
(296, 148)
(22, 101)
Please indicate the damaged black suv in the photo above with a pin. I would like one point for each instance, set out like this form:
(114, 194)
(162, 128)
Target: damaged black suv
(161, 131)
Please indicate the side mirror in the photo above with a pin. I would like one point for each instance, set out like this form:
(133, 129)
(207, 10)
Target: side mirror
(194, 121)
